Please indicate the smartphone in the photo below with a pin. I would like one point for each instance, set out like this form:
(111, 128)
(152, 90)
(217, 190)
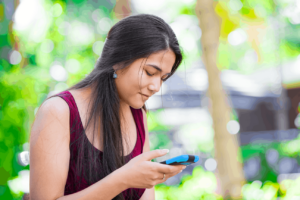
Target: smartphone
(181, 160)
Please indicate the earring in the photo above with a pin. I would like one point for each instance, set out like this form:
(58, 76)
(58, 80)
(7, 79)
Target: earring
(115, 75)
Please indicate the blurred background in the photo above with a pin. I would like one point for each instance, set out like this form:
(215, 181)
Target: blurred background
(234, 101)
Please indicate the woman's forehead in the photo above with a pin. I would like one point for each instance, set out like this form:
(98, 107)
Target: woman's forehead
(164, 58)
(159, 54)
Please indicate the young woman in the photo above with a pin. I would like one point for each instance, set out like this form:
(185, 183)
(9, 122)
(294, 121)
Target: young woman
(91, 140)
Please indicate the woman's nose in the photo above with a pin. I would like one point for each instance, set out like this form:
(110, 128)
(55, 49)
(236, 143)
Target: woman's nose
(155, 86)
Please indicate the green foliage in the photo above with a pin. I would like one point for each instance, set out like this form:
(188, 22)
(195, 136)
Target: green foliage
(18, 100)
(24, 86)
(289, 48)
(153, 123)
(200, 185)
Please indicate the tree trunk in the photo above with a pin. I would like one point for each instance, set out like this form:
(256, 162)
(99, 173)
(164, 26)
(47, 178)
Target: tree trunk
(229, 169)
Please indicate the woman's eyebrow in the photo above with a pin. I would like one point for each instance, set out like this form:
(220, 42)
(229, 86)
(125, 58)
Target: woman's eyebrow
(157, 68)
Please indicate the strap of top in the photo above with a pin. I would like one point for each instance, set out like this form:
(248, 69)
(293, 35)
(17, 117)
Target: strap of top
(74, 114)
(139, 120)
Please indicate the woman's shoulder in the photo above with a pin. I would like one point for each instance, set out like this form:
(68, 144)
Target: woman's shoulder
(55, 104)
(52, 109)
(51, 119)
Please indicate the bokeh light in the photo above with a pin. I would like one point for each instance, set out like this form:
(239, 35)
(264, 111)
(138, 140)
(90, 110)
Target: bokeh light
(58, 72)
(15, 57)
(210, 164)
(233, 127)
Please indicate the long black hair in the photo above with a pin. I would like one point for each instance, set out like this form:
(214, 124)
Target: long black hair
(134, 37)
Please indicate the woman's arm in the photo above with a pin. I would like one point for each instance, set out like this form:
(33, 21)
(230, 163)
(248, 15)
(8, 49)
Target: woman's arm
(50, 155)
(149, 194)
(105, 189)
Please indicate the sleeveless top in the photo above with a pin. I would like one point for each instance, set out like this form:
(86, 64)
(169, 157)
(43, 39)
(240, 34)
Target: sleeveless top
(70, 186)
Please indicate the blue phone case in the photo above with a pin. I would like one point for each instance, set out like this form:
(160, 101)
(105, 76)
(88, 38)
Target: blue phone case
(181, 160)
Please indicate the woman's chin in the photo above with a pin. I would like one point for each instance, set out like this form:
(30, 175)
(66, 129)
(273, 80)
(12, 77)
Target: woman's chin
(137, 105)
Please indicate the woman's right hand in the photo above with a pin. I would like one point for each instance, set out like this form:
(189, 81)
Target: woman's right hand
(140, 172)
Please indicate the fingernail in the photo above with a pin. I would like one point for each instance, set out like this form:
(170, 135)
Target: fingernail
(180, 171)
(183, 167)
(164, 151)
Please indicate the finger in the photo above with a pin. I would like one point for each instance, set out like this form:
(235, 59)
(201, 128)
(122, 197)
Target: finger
(168, 169)
(175, 173)
(154, 154)
(163, 177)
(167, 176)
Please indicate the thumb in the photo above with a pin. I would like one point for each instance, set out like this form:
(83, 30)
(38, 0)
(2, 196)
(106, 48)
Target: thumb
(155, 153)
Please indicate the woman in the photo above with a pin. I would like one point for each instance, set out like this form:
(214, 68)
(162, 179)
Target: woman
(91, 140)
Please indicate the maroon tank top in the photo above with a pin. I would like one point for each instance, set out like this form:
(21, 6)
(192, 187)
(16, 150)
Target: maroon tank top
(70, 186)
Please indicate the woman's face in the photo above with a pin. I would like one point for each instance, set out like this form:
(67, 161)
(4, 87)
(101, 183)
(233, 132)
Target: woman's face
(140, 80)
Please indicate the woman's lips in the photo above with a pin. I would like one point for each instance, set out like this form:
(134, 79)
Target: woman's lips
(144, 95)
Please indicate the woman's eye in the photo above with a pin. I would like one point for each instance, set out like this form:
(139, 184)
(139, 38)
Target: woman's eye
(165, 78)
(149, 74)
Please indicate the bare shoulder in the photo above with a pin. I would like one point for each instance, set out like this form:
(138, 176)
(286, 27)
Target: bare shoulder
(53, 112)
(55, 106)
(49, 150)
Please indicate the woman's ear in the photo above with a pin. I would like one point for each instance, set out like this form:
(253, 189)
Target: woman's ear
(118, 68)
(115, 67)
